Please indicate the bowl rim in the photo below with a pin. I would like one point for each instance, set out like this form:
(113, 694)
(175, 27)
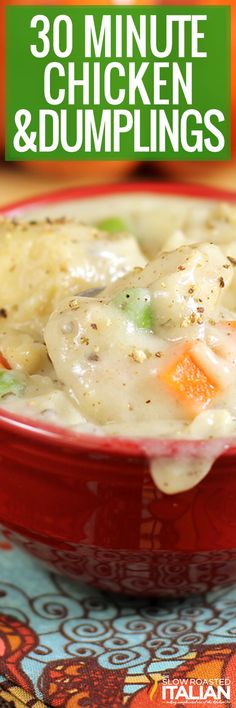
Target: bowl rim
(61, 437)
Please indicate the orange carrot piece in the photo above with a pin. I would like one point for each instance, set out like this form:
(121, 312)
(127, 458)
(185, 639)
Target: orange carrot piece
(3, 362)
(189, 382)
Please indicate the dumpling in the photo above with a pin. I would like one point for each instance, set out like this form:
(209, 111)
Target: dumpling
(42, 262)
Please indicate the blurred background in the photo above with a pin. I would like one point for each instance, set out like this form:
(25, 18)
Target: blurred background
(19, 180)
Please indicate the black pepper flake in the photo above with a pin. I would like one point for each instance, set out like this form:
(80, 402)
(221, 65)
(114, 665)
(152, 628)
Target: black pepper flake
(93, 325)
(62, 220)
(181, 267)
(221, 282)
(148, 401)
(84, 340)
(3, 312)
(93, 357)
(232, 260)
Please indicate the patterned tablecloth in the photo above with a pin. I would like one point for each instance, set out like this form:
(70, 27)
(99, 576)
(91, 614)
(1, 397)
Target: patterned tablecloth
(67, 645)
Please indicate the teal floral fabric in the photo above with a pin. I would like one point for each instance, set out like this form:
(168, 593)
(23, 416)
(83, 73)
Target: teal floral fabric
(66, 644)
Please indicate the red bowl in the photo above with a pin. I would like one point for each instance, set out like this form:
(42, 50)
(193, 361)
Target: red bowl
(87, 506)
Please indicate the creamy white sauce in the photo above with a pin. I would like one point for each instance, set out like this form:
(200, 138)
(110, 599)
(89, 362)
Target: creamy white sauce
(175, 475)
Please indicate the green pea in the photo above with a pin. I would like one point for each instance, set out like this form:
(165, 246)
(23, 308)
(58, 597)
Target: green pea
(136, 305)
(112, 224)
(12, 382)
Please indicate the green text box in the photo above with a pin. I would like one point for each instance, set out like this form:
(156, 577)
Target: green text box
(210, 90)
